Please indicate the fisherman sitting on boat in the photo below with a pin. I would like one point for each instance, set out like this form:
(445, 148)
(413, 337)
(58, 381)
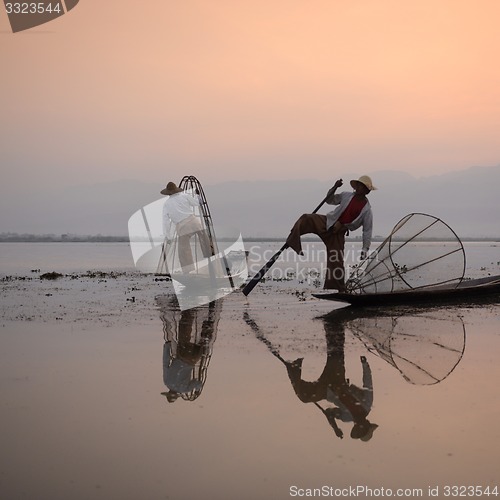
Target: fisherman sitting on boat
(352, 212)
(179, 220)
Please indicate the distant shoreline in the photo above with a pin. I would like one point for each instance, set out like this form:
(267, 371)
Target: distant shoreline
(33, 238)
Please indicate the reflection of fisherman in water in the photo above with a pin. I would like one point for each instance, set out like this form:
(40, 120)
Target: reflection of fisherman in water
(189, 337)
(352, 403)
(424, 344)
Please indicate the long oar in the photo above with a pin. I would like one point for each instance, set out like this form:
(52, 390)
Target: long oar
(253, 325)
(253, 282)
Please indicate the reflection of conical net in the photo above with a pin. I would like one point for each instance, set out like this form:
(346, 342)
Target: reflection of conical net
(191, 331)
(425, 347)
(421, 251)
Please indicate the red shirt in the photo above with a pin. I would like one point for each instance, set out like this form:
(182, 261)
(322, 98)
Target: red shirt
(352, 210)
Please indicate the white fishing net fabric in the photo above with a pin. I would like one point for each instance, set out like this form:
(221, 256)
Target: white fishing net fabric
(422, 251)
(190, 255)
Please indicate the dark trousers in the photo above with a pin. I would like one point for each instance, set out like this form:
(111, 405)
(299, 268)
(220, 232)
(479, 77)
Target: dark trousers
(334, 241)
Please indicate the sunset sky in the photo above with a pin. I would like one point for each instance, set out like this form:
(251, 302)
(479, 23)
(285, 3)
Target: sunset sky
(249, 89)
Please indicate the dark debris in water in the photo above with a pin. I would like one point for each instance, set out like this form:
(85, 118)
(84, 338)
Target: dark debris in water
(101, 274)
(51, 276)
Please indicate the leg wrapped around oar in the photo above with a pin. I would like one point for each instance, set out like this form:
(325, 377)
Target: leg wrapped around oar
(306, 224)
(295, 240)
(334, 240)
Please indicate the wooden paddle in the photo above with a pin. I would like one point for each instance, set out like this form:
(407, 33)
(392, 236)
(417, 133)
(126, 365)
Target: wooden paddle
(253, 282)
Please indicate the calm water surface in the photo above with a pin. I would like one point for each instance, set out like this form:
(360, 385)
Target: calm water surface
(21, 258)
(252, 398)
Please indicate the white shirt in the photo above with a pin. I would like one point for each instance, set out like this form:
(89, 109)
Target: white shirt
(365, 218)
(179, 375)
(177, 207)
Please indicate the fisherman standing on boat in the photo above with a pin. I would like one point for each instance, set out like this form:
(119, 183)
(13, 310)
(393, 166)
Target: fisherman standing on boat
(179, 220)
(353, 211)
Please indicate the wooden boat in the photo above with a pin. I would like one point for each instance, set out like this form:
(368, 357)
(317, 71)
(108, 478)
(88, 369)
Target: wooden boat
(468, 291)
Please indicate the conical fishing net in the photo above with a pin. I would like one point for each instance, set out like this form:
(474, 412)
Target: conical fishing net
(421, 251)
(187, 250)
(199, 243)
(190, 255)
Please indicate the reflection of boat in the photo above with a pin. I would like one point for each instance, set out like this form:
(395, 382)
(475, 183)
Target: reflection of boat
(466, 291)
(424, 345)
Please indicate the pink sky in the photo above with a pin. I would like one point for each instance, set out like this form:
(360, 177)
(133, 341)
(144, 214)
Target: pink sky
(250, 89)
